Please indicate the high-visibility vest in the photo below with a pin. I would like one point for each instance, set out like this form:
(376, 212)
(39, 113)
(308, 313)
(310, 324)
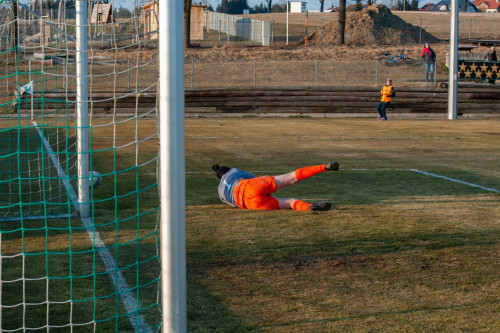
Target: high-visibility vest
(386, 93)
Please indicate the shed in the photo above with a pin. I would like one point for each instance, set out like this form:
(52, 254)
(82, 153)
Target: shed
(197, 21)
(102, 13)
(149, 20)
(149, 14)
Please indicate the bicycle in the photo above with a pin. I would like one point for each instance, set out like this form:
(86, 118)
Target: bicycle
(389, 60)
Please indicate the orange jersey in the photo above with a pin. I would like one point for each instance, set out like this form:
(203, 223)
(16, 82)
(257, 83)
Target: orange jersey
(255, 193)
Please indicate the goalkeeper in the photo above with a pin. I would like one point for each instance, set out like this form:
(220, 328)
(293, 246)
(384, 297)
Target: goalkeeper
(241, 189)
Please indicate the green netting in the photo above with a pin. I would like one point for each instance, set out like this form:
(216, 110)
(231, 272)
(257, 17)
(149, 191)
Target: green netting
(58, 270)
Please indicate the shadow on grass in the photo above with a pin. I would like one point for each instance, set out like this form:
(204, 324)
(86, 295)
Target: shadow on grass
(385, 313)
(296, 251)
(206, 313)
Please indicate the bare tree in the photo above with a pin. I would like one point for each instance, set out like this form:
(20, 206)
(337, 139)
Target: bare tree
(341, 21)
(269, 5)
(187, 23)
(322, 5)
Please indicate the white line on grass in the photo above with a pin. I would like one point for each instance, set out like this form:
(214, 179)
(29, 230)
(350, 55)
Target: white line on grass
(380, 169)
(129, 301)
(456, 180)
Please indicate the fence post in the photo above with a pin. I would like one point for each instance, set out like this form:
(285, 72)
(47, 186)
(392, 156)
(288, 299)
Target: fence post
(255, 73)
(470, 26)
(376, 72)
(128, 74)
(220, 28)
(307, 20)
(227, 30)
(262, 26)
(316, 75)
(192, 73)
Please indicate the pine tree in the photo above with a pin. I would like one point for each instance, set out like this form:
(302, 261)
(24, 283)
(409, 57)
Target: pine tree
(223, 7)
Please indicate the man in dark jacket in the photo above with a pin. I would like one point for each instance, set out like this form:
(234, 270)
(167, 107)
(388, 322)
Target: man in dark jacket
(429, 58)
(491, 56)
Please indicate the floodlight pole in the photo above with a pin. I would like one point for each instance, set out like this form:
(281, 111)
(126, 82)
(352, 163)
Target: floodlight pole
(172, 174)
(82, 120)
(453, 62)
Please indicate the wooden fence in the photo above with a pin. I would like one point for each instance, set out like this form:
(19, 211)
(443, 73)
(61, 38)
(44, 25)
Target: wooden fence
(472, 99)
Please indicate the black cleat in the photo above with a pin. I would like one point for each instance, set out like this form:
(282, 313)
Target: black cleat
(320, 207)
(332, 166)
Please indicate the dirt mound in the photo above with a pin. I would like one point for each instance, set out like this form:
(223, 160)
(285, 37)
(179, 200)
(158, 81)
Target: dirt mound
(373, 25)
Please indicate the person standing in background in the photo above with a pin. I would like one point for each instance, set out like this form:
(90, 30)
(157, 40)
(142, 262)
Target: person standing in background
(429, 59)
(386, 94)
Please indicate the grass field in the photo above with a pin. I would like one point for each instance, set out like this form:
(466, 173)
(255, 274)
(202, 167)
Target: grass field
(54, 271)
(399, 251)
(403, 248)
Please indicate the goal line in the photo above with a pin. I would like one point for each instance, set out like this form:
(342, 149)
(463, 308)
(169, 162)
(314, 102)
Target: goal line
(129, 301)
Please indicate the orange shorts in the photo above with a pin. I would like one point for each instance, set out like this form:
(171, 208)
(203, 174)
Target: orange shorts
(255, 193)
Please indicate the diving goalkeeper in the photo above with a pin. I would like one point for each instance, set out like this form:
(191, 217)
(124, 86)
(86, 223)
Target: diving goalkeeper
(241, 189)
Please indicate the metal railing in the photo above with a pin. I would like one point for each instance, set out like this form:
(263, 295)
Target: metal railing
(263, 73)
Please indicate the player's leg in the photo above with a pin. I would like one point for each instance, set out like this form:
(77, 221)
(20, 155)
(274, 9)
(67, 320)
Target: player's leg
(382, 110)
(295, 204)
(379, 110)
(303, 173)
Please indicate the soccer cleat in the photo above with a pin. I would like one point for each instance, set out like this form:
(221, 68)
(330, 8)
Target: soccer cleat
(332, 166)
(320, 207)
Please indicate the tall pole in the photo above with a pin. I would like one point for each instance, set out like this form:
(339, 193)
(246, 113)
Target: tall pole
(453, 63)
(15, 32)
(172, 175)
(287, 10)
(82, 121)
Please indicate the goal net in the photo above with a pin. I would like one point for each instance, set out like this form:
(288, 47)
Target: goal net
(79, 203)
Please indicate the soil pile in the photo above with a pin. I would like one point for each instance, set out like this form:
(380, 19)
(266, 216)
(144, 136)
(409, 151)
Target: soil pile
(373, 25)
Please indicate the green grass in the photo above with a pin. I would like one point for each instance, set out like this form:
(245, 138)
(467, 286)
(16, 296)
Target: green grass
(400, 251)
(59, 262)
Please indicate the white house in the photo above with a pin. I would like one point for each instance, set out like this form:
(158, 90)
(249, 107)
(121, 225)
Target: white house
(298, 6)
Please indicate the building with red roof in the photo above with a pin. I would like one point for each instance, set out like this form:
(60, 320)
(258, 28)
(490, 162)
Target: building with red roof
(488, 6)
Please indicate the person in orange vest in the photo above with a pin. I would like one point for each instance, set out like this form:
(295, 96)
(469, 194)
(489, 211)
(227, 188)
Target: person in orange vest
(387, 93)
(242, 189)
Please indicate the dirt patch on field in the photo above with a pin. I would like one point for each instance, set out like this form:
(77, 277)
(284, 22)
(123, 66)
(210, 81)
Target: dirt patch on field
(373, 25)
